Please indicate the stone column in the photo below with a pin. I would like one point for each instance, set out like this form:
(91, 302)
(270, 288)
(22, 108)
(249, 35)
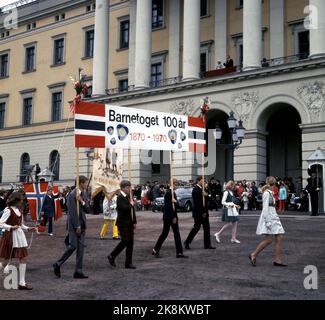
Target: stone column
(191, 40)
(143, 44)
(317, 28)
(133, 12)
(252, 34)
(220, 31)
(100, 62)
(174, 42)
(276, 28)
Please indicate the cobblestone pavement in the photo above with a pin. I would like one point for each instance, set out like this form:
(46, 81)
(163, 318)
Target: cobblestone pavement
(224, 273)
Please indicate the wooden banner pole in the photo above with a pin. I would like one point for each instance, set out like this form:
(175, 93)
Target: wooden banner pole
(77, 179)
(171, 176)
(129, 173)
(203, 179)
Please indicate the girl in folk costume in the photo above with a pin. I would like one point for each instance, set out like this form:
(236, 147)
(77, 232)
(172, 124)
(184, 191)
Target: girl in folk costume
(110, 215)
(230, 213)
(13, 244)
(269, 225)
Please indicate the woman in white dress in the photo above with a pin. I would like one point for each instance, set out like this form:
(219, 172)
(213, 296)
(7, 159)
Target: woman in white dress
(230, 213)
(13, 243)
(269, 225)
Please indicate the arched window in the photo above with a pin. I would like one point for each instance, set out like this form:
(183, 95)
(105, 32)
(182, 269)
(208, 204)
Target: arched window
(24, 167)
(54, 164)
(1, 167)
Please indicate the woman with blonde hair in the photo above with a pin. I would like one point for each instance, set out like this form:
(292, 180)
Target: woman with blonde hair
(269, 225)
(230, 213)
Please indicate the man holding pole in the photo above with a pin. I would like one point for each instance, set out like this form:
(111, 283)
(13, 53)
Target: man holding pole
(200, 215)
(77, 208)
(126, 223)
(170, 219)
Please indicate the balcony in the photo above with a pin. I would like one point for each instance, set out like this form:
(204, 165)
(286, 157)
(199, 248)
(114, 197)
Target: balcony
(271, 66)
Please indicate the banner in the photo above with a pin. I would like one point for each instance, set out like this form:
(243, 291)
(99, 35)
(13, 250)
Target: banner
(99, 125)
(107, 170)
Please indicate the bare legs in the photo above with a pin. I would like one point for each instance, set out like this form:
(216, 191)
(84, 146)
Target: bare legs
(233, 232)
(266, 242)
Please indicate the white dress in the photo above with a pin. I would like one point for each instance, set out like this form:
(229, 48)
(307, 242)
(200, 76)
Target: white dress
(269, 222)
(18, 235)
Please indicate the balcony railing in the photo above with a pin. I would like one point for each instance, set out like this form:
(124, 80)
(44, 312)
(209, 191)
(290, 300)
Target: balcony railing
(152, 84)
(213, 73)
(284, 60)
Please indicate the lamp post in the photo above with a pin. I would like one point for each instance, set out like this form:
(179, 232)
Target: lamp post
(237, 132)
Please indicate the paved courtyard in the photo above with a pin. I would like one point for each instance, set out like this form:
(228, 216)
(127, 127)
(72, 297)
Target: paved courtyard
(224, 273)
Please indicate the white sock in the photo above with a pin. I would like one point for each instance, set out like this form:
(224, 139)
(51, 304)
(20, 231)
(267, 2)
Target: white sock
(22, 272)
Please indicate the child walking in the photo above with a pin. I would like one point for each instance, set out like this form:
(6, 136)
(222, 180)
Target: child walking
(13, 244)
(110, 216)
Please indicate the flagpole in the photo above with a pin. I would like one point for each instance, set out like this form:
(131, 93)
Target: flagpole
(77, 179)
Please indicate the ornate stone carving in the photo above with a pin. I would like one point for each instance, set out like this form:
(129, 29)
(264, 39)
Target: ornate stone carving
(313, 96)
(243, 103)
(184, 107)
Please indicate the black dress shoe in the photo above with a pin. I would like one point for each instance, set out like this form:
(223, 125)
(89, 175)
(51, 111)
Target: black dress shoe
(210, 247)
(186, 246)
(130, 266)
(111, 261)
(78, 275)
(56, 270)
(180, 255)
(155, 253)
(276, 264)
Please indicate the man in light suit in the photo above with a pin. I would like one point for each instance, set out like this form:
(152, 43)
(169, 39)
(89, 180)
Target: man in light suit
(76, 226)
(126, 223)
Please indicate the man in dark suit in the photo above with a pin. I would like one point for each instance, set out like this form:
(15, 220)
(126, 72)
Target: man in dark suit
(229, 62)
(48, 209)
(76, 226)
(200, 215)
(170, 219)
(313, 186)
(126, 223)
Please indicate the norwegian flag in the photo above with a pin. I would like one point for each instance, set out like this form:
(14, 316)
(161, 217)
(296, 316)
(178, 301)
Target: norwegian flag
(197, 136)
(35, 193)
(58, 211)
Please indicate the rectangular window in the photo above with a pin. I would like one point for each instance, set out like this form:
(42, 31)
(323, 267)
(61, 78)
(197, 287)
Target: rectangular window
(27, 112)
(124, 34)
(4, 58)
(204, 8)
(240, 3)
(157, 14)
(59, 51)
(56, 106)
(30, 59)
(303, 47)
(123, 85)
(2, 114)
(156, 74)
(203, 62)
(89, 43)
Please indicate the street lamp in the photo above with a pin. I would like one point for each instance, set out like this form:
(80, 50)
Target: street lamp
(237, 132)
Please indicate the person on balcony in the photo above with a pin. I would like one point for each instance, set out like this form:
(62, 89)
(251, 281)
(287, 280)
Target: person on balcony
(219, 65)
(229, 62)
(265, 64)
